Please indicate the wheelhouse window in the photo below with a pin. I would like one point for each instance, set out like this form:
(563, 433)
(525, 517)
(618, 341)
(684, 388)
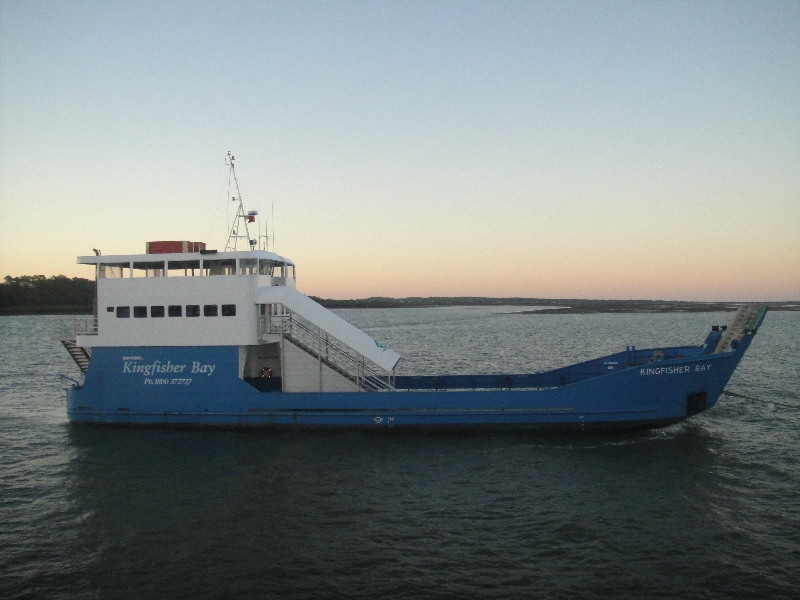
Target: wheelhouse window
(156, 311)
(123, 312)
(228, 310)
(248, 266)
(109, 309)
(175, 311)
(112, 270)
(265, 267)
(225, 266)
(192, 310)
(183, 268)
(148, 269)
(139, 312)
(274, 268)
(210, 310)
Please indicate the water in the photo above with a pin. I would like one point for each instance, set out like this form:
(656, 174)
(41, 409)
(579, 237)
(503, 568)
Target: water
(705, 509)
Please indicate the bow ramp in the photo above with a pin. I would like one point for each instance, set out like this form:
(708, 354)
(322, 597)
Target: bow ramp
(747, 319)
(333, 325)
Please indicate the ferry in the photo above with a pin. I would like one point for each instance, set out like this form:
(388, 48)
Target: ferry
(183, 335)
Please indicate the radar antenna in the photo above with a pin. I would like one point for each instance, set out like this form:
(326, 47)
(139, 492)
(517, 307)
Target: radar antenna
(242, 218)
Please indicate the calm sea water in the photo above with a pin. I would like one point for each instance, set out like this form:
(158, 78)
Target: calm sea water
(705, 509)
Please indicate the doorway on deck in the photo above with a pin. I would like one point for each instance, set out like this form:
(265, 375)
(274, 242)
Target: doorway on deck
(262, 367)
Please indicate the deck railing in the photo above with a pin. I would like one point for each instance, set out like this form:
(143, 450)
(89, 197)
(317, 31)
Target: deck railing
(66, 330)
(337, 356)
(327, 349)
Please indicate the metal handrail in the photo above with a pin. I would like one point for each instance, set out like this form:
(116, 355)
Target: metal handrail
(337, 356)
(79, 326)
(85, 325)
(60, 330)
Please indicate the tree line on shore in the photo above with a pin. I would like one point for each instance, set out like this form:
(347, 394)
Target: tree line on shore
(37, 294)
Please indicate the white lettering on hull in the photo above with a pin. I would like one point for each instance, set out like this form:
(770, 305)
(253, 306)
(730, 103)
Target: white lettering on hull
(673, 370)
(198, 368)
(157, 366)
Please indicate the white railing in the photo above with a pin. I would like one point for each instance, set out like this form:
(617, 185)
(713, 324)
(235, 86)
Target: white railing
(85, 326)
(327, 349)
(64, 330)
(337, 356)
(271, 324)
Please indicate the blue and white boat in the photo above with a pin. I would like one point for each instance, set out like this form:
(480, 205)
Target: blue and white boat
(183, 335)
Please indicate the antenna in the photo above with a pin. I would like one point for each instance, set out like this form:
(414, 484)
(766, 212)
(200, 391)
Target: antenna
(264, 245)
(250, 217)
(264, 236)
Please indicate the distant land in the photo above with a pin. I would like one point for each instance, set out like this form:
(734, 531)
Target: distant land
(555, 306)
(37, 294)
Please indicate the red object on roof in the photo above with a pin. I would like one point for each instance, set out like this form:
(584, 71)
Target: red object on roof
(174, 247)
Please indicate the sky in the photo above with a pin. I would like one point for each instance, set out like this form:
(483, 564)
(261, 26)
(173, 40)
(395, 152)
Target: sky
(615, 150)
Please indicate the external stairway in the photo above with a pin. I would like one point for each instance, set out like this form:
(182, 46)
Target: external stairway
(80, 355)
(330, 353)
(326, 337)
(67, 333)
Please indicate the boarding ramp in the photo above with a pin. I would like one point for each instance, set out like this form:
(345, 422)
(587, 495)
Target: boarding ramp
(747, 318)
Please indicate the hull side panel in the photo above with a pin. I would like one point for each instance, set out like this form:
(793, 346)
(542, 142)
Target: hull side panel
(202, 386)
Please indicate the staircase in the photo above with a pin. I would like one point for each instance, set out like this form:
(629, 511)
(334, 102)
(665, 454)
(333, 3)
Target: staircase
(745, 319)
(335, 356)
(80, 355)
(67, 335)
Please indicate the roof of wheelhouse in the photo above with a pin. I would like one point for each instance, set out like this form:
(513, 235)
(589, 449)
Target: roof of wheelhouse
(183, 256)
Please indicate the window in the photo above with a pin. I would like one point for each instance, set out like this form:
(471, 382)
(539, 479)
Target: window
(265, 267)
(109, 309)
(175, 311)
(226, 266)
(139, 312)
(192, 310)
(113, 270)
(123, 312)
(210, 310)
(156, 311)
(148, 269)
(228, 310)
(248, 266)
(183, 268)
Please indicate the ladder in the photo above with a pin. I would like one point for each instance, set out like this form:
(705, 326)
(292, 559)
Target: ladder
(79, 354)
(67, 335)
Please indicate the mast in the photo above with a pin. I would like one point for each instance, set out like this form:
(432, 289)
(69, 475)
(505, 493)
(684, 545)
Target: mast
(246, 217)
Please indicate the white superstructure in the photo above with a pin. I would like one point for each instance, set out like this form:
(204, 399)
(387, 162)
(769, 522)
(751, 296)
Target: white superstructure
(246, 299)
(183, 299)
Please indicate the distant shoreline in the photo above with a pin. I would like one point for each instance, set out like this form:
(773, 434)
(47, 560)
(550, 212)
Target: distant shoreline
(549, 307)
(556, 306)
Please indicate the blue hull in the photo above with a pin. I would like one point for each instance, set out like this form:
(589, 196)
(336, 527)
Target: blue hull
(200, 386)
